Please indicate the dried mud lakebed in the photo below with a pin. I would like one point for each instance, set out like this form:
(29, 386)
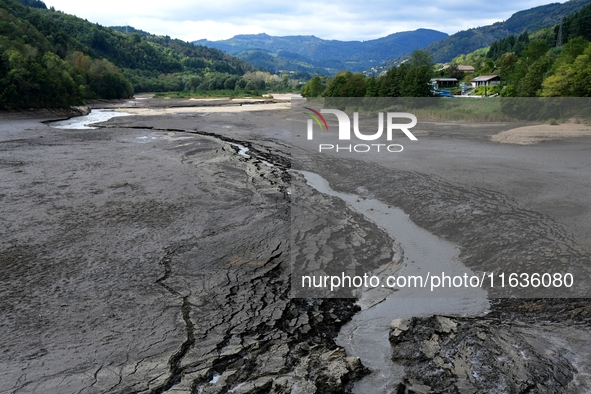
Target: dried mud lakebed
(138, 259)
(151, 255)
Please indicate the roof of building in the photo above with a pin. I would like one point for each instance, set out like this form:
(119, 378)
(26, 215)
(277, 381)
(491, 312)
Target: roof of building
(461, 67)
(483, 78)
(445, 79)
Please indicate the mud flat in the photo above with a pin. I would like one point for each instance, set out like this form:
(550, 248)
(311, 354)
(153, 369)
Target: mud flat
(148, 256)
(232, 107)
(142, 260)
(486, 198)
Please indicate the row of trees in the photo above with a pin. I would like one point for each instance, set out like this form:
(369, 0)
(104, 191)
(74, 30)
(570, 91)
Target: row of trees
(510, 44)
(255, 81)
(410, 79)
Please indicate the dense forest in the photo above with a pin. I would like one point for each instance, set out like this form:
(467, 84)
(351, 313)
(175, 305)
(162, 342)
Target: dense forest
(49, 70)
(52, 59)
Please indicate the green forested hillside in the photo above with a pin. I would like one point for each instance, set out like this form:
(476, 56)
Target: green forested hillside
(52, 59)
(38, 70)
(150, 62)
(551, 62)
(527, 20)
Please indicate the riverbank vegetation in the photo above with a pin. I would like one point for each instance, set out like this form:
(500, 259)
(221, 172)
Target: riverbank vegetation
(410, 79)
(210, 94)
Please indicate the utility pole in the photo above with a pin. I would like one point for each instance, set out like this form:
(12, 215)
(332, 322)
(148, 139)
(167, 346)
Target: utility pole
(559, 38)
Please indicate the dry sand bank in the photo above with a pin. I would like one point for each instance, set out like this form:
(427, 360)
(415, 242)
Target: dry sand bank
(533, 134)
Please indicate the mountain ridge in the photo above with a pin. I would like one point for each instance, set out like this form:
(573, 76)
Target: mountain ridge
(319, 55)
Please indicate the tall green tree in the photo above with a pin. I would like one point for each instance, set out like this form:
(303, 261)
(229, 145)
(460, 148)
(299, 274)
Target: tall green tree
(336, 86)
(313, 88)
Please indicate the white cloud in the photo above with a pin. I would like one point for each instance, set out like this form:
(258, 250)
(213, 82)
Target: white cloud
(342, 20)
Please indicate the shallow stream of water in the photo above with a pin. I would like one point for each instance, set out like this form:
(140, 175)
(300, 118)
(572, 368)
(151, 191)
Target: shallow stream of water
(83, 122)
(366, 335)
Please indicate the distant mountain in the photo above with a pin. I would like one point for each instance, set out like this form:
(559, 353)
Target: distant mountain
(313, 54)
(468, 41)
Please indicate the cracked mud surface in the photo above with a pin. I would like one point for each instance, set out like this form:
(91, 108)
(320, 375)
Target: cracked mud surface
(146, 261)
(147, 256)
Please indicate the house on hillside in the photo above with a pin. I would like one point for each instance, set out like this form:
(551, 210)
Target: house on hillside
(461, 68)
(465, 69)
(486, 80)
(444, 82)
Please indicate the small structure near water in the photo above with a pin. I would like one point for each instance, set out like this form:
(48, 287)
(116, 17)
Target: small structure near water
(444, 82)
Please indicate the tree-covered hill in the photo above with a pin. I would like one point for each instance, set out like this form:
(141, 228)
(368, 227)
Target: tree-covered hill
(52, 59)
(527, 20)
(551, 62)
(49, 70)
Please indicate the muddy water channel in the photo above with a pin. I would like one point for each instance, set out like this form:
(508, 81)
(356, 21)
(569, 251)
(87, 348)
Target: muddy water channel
(366, 336)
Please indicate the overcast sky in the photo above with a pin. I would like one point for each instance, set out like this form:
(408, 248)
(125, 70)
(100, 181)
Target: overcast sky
(342, 20)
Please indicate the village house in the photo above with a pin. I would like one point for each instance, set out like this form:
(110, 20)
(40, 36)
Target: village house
(486, 80)
(466, 69)
(461, 68)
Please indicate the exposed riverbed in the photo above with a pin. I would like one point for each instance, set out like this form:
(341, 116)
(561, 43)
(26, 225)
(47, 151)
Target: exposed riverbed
(151, 253)
(84, 122)
(366, 335)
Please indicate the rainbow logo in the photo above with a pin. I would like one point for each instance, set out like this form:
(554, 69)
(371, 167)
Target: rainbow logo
(317, 117)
